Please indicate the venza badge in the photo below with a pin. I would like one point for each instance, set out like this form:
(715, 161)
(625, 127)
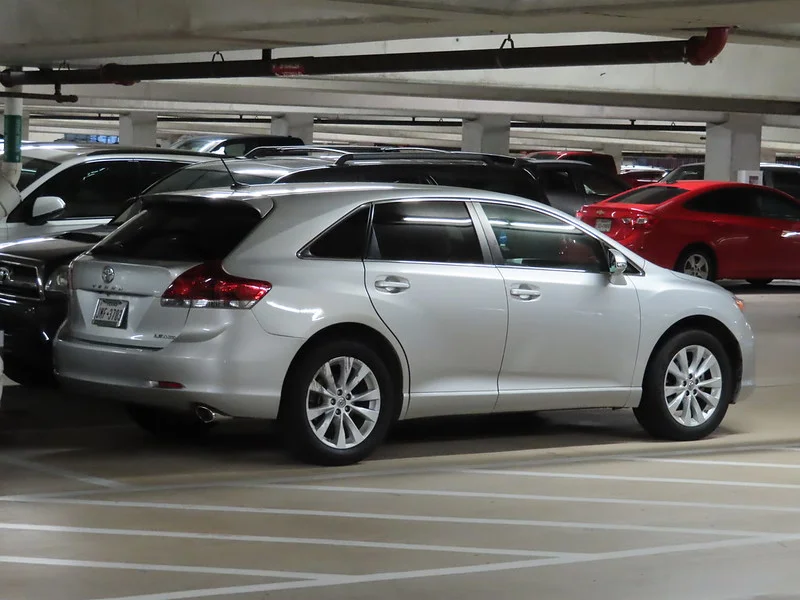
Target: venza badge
(108, 274)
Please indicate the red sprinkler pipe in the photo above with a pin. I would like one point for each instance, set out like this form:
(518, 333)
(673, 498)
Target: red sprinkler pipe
(701, 51)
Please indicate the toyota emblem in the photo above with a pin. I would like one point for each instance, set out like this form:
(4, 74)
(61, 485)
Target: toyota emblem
(108, 274)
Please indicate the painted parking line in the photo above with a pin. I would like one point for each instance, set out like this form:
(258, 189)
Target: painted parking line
(468, 570)
(539, 497)
(126, 566)
(388, 472)
(715, 463)
(406, 518)
(632, 478)
(30, 465)
(268, 539)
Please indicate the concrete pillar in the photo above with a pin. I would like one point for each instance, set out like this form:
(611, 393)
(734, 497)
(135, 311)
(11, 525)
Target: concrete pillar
(733, 146)
(298, 125)
(138, 129)
(614, 150)
(768, 155)
(26, 127)
(490, 134)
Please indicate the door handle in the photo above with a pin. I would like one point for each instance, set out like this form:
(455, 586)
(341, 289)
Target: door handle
(392, 285)
(525, 293)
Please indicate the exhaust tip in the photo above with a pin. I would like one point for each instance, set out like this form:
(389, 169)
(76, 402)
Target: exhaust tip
(207, 414)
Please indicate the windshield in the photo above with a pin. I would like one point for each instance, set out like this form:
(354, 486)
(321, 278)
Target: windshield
(194, 178)
(195, 144)
(685, 173)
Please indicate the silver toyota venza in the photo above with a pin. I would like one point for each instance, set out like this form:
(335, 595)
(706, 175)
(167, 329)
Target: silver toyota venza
(338, 309)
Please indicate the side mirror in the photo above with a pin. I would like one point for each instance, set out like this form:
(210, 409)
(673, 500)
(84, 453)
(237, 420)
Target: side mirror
(46, 208)
(617, 264)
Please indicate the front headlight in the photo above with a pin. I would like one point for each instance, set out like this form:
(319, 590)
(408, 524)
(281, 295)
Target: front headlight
(58, 282)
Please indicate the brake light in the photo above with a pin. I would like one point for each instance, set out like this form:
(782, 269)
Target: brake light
(642, 221)
(209, 286)
(581, 213)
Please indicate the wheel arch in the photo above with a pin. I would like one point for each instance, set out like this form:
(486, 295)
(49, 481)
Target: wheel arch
(716, 328)
(359, 332)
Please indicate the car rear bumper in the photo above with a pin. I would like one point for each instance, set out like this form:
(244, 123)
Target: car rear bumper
(239, 372)
(29, 327)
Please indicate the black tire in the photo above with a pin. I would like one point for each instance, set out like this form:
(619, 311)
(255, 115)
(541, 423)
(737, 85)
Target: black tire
(299, 437)
(759, 283)
(705, 254)
(28, 376)
(168, 425)
(653, 414)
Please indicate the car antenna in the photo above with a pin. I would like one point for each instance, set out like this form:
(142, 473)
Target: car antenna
(236, 185)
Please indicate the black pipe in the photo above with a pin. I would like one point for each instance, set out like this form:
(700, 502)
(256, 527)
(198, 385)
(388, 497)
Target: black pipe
(628, 53)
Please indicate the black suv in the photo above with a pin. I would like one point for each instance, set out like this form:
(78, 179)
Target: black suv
(31, 310)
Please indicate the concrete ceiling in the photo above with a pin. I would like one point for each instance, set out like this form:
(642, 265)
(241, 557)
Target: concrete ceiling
(50, 31)
(744, 79)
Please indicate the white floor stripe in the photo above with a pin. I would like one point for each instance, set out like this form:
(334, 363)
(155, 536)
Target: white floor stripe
(355, 473)
(634, 479)
(538, 497)
(408, 518)
(62, 473)
(715, 463)
(469, 570)
(126, 566)
(268, 539)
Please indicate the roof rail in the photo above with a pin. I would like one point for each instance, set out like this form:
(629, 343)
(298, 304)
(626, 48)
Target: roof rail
(435, 155)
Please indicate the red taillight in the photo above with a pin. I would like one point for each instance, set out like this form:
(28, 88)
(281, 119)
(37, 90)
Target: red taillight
(209, 286)
(639, 222)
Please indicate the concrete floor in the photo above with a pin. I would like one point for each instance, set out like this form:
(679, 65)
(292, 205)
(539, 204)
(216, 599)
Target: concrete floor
(558, 506)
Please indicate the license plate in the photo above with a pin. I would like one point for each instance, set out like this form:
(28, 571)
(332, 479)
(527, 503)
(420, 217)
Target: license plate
(110, 313)
(603, 225)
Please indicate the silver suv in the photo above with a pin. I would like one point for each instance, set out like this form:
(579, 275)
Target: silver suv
(339, 308)
(67, 186)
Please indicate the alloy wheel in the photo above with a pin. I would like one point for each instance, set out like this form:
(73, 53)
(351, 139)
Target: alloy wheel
(343, 402)
(693, 385)
(697, 265)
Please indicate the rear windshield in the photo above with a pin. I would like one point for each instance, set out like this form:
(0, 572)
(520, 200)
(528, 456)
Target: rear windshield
(199, 178)
(648, 195)
(182, 232)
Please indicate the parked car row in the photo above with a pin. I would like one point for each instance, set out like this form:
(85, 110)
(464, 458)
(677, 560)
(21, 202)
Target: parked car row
(200, 300)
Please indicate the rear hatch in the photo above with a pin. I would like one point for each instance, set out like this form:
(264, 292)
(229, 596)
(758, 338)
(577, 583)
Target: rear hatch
(117, 288)
(636, 209)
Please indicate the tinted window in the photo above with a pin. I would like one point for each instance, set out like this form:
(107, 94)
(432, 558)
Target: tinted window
(773, 206)
(528, 238)
(200, 178)
(424, 231)
(739, 202)
(686, 172)
(505, 180)
(92, 189)
(33, 169)
(181, 232)
(150, 171)
(346, 239)
(600, 184)
(649, 195)
(787, 180)
(556, 180)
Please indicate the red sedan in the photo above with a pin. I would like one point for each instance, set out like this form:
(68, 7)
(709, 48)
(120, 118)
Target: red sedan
(709, 229)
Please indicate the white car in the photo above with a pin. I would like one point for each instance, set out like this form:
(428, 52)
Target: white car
(68, 186)
(339, 308)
